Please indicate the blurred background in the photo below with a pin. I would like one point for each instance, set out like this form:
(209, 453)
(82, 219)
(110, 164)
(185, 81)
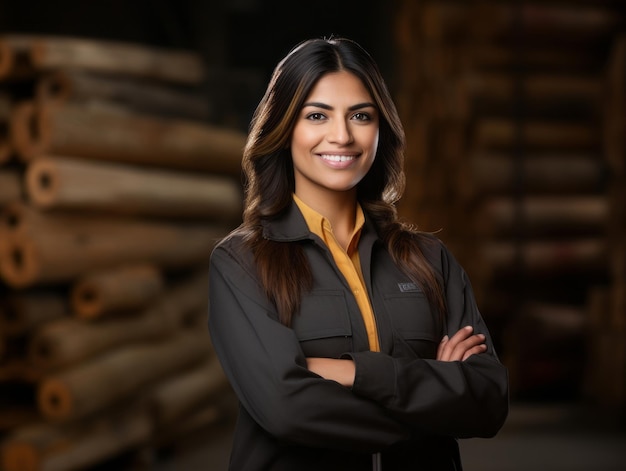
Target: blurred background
(121, 128)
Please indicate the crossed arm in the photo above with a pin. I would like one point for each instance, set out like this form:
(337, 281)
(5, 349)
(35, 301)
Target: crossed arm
(459, 347)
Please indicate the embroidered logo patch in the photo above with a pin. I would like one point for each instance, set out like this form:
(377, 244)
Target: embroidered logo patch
(407, 287)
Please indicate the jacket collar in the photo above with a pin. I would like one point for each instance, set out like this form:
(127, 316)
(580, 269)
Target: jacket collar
(288, 227)
(291, 226)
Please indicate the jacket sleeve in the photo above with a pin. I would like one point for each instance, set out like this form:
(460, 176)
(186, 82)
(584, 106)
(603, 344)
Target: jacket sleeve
(265, 365)
(460, 399)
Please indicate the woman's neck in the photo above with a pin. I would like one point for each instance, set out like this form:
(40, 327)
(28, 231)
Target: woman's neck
(339, 209)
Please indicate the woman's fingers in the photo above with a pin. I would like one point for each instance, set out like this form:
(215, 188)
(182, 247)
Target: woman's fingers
(474, 351)
(461, 345)
(448, 346)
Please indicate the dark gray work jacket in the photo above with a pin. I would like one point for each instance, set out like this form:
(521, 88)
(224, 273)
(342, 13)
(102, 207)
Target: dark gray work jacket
(404, 403)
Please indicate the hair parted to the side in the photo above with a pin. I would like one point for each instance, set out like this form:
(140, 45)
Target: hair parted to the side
(269, 177)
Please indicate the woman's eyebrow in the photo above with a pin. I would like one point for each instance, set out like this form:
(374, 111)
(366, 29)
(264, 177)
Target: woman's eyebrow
(324, 106)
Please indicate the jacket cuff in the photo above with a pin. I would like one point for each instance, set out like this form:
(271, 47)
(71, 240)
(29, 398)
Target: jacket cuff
(375, 376)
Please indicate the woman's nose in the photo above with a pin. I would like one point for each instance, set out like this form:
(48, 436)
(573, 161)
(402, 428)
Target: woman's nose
(340, 133)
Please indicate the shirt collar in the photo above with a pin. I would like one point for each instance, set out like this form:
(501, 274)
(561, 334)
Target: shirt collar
(321, 227)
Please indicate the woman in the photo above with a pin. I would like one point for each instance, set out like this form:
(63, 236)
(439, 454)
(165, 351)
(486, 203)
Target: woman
(352, 341)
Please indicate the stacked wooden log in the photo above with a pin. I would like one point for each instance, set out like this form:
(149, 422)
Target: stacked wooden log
(503, 104)
(114, 188)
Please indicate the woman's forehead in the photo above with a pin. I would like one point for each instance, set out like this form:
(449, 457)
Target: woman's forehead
(341, 87)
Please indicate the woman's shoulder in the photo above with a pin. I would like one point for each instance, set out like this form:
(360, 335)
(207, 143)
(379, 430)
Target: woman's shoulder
(435, 250)
(235, 238)
(234, 246)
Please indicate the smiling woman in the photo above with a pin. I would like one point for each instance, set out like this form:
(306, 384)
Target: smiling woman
(352, 340)
(334, 142)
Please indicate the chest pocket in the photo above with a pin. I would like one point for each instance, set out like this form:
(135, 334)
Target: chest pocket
(413, 324)
(323, 324)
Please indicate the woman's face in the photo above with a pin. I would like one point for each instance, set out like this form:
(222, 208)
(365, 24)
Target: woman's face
(335, 138)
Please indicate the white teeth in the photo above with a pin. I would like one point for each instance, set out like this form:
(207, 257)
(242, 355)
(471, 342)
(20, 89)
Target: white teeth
(338, 158)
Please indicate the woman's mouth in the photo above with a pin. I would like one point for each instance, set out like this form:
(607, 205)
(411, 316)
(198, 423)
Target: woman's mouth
(337, 158)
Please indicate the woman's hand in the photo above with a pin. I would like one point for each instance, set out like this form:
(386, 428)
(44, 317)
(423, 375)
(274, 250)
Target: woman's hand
(341, 371)
(461, 346)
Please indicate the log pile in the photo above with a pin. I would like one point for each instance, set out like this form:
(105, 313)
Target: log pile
(114, 188)
(505, 108)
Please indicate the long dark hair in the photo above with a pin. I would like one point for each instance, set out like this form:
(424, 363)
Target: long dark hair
(269, 177)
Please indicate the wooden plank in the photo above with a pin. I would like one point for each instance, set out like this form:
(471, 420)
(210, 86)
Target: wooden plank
(76, 131)
(36, 53)
(75, 184)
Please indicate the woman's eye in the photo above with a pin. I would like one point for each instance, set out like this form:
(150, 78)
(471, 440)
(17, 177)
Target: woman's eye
(315, 116)
(361, 116)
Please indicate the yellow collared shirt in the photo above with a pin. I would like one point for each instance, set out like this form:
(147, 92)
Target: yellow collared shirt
(348, 262)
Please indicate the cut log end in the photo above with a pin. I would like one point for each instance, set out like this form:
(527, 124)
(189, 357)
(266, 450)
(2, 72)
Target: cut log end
(29, 134)
(54, 88)
(10, 217)
(42, 183)
(19, 456)
(19, 265)
(55, 400)
(86, 301)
